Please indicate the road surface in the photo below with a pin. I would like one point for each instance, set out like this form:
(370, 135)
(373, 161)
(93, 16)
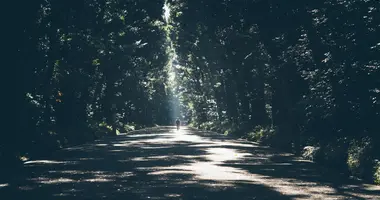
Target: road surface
(163, 163)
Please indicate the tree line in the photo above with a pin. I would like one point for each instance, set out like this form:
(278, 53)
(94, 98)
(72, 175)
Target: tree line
(287, 73)
(84, 69)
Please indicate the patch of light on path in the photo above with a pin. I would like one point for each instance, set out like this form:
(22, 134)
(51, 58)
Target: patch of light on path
(49, 162)
(224, 154)
(219, 152)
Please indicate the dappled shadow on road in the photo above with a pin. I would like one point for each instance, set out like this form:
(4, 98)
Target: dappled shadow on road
(164, 163)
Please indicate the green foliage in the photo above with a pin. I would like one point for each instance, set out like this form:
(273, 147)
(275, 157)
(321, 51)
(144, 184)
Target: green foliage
(361, 158)
(230, 130)
(105, 126)
(85, 79)
(228, 66)
(312, 153)
(129, 127)
(296, 66)
(376, 176)
(265, 135)
(207, 125)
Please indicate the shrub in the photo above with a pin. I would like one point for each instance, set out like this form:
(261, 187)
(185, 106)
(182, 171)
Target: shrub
(312, 153)
(102, 130)
(260, 134)
(360, 159)
(128, 127)
(206, 125)
(232, 129)
(376, 176)
(224, 127)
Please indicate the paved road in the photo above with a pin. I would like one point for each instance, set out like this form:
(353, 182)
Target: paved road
(163, 163)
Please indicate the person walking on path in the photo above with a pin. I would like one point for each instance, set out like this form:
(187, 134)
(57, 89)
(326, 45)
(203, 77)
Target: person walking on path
(178, 123)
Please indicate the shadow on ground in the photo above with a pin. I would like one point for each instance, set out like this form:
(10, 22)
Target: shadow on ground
(163, 163)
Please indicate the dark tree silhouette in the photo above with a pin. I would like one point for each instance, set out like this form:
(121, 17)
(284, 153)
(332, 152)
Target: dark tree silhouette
(86, 69)
(288, 73)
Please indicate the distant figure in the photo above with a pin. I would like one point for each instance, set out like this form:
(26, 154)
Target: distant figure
(178, 123)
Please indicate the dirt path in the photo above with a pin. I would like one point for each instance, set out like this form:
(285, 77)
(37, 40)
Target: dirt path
(167, 164)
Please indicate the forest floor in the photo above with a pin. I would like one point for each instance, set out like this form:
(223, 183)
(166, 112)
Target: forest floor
(163, 163)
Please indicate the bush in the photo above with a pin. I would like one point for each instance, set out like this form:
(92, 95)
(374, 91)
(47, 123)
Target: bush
(312, 153)
(128, 127)
(360, 159)
(232, 130)
(376, 176)
(224, 127)
(263, 135)
(102, 130)
(206, 125)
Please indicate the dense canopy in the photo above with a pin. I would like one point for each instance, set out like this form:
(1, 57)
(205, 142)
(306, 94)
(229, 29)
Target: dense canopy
(288, 73)
(86, 68)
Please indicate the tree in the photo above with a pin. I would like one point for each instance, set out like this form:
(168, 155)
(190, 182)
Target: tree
(87, 68)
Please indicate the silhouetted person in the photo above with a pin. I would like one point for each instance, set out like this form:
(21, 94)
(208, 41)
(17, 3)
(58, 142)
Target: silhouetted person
(178, 123)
